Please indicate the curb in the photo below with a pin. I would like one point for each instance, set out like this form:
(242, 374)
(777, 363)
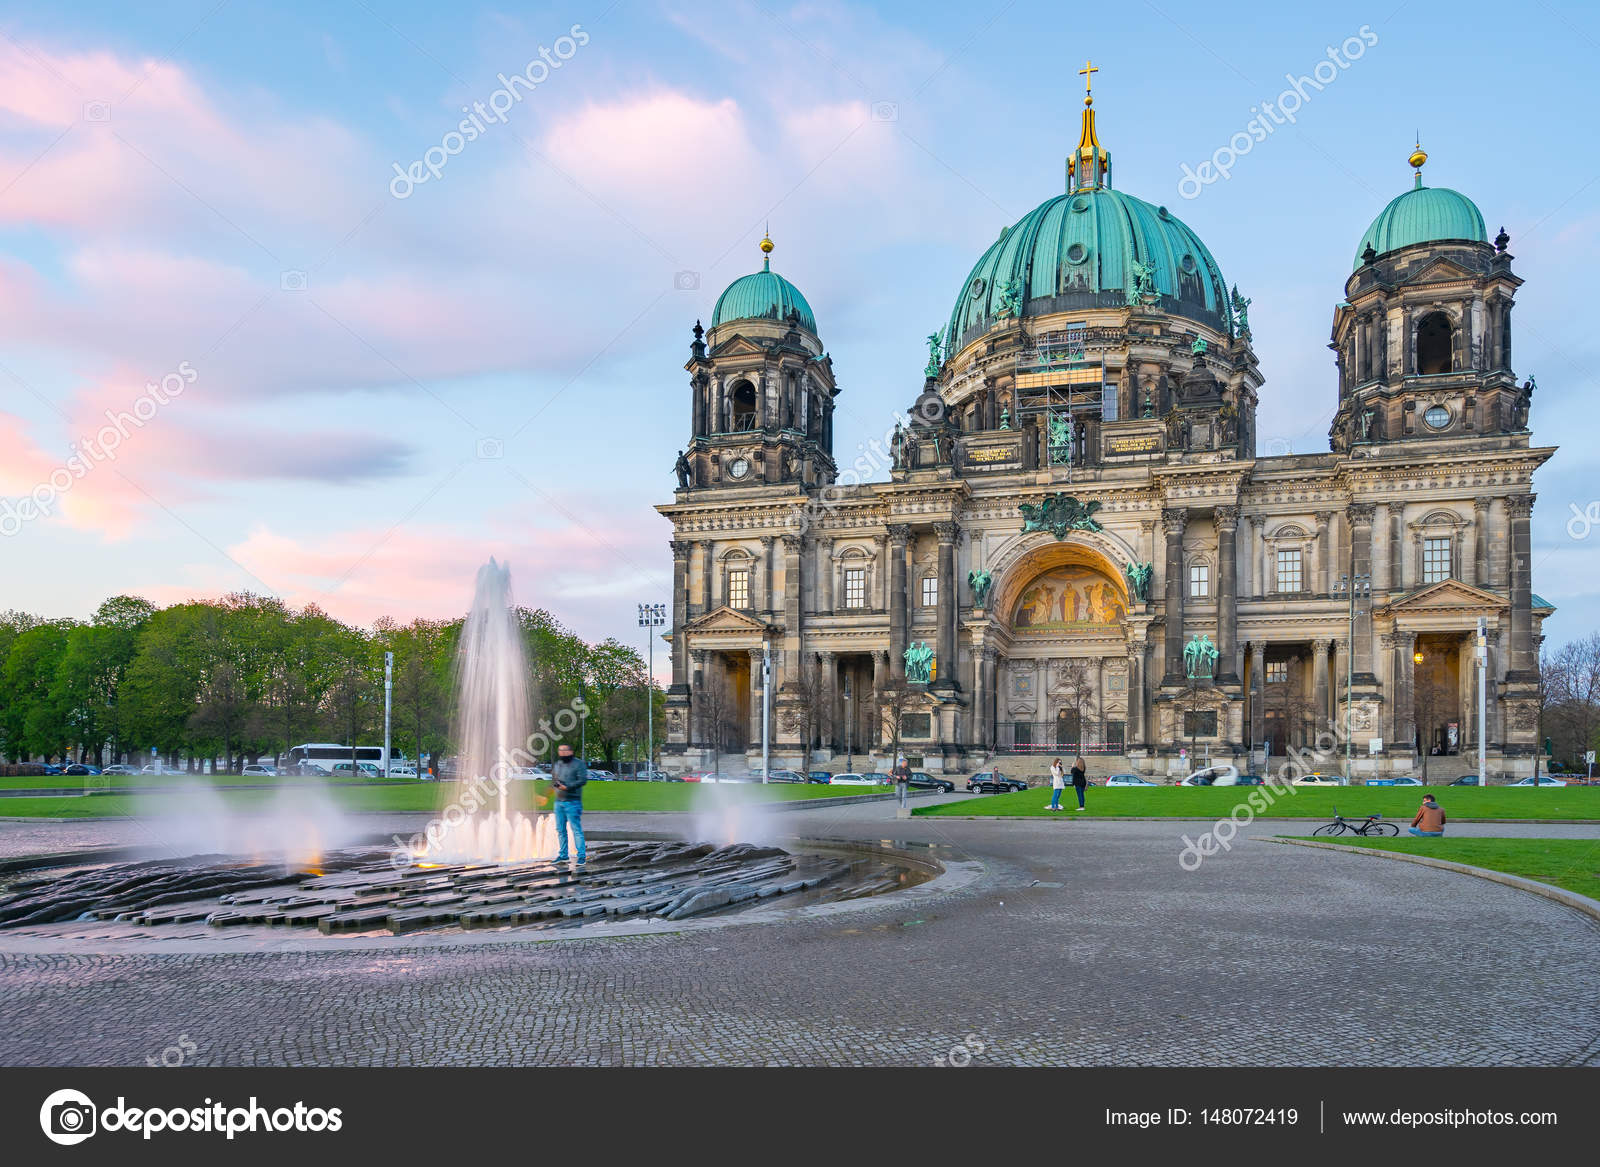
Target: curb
(1172, 818)
(1561, 895)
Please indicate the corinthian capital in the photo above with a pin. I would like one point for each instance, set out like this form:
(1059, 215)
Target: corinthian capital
(947, 532)
(1520, 506)
(899, 533)
(1227, 518)
(1360, 512)
(1174, 519)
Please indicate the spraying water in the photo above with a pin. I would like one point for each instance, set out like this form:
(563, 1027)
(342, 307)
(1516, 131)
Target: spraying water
(493, 710)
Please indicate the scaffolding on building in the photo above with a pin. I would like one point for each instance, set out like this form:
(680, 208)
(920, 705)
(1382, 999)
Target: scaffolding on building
(1057, 378)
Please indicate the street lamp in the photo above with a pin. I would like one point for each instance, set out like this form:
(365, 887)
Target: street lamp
(1353, 586)
(849, 730)
(1418, 658)
(651, 617)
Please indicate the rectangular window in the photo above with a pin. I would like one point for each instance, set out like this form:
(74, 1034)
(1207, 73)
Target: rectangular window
(738, 589)
(1435, 560)
(1199, 581)
(1108, 403)
(1200, 723)
(1289, 572)
(930, 591)
(855, 587)
(916, 725)
(1277, 672)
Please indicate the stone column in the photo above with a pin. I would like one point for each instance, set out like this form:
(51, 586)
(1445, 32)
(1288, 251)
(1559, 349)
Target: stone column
(883, 573)
(1247, 585)
(1404, 645)
(680, 613)
(982, 663)
(793, 591)
(1378, 548)
(949, 605)
(1173, 521)
(828, 691)
(768, 600)
(1258, 691)
(880, 678)
(1320, 650)
(754, 733)
(1524, 666)
(1136, 733)
(698, 730)
(1397, 567)
(1360, 515)
(707, 574)
(1324, 552)
(899, 534)
(1227, 520)
(825, 578)
(1480, 540)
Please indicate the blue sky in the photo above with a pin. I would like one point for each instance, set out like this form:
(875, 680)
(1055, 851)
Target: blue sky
(170, 170)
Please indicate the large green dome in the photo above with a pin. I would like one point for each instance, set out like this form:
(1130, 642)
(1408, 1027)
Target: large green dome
(1077, 250)
(1424, 214)
(762, 295)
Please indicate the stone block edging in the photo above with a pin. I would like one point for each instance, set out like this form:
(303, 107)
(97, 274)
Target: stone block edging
(1561, 895)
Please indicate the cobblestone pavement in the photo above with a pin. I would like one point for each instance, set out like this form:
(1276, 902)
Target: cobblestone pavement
(1078, 943)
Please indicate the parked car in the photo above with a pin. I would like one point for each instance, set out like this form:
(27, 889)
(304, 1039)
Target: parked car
(858, 780)
(652, 776)
(990, 782)
(602, 776)
(1544, 780)
(119, 768)
(921, 781)
(778, 775)
(402, 770)
(1213, 776)
(80, 770)
(1318, 778)
(1466, 780)
(1404, 780)
(260, 771)
(818, 777)
(1128, 780)
(358, 769)
(693, 776)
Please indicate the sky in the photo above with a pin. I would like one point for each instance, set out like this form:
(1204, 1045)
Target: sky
(270, 322)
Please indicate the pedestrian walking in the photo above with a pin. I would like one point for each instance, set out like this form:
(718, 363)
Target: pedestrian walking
(568, 776)
(1058, 783)
(902, 780)
(1080, 778)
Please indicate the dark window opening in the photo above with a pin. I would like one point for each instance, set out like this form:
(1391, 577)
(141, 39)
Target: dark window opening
(744, 406)
(1433, 344)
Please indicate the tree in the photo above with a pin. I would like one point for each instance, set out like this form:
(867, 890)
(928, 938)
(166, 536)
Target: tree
(31, 719)
(1571, 712)
(224, 712)
(719, 712)
(1078, 686)
(808, 713)
(898, 698)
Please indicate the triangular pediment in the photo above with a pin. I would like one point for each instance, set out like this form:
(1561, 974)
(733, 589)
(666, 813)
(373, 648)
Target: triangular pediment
(1449, 595)
(726, 619)
(1440, 270)
(738, 345)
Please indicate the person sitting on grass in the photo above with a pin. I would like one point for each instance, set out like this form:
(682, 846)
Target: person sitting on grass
(1429, 823)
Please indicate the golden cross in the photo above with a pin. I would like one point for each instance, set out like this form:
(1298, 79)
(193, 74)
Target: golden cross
(1087, 72)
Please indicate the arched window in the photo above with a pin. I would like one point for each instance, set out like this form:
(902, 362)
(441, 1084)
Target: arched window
(743, 406)
(1433, 344)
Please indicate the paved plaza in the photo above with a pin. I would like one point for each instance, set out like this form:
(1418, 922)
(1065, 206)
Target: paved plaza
(1056, 942)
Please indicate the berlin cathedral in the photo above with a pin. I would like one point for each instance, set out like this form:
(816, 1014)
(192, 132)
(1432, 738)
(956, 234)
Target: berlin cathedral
(1081, 547)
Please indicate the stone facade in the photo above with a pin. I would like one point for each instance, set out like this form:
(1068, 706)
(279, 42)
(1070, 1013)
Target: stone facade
(1079, 491)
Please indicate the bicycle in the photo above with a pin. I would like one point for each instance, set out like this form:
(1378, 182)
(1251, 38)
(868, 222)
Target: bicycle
(1372, 825)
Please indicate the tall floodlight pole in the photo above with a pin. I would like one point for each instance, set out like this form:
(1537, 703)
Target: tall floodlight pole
(1483, 702)
(388, 705)
(651, 617)
(766, 709)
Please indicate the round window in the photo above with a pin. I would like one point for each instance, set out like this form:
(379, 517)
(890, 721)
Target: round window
(1077, 253)
(1437, 417)
(1188, 263)
(977, 288)
(1080, 204)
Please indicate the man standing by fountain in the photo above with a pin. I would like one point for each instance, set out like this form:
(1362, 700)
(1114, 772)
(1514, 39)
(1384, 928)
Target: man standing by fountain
(568, 776)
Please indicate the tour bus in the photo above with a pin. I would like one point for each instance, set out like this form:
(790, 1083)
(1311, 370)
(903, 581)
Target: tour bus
(323, 756)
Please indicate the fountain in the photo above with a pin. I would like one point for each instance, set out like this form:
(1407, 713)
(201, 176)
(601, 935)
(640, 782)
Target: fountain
(480, 824)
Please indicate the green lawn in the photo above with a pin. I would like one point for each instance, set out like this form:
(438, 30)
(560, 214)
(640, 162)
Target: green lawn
(118, 781)
(1573, 864)
(428, 796)
(1203, 802)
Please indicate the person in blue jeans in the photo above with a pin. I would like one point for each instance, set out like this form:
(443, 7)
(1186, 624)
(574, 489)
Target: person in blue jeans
(568, 776)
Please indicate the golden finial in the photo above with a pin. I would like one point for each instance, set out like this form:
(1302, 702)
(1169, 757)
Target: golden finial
(1087, 73)
(1418, 157)
(766, 250)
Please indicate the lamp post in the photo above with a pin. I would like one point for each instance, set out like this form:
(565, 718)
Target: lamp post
(388, 705)
(651, 617)
(849, 730)
(1482, 654)
(1416, 659)
(1353, 586)
(766, 710)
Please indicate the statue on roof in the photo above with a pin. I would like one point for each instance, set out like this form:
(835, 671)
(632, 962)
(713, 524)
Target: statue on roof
(1010, 299)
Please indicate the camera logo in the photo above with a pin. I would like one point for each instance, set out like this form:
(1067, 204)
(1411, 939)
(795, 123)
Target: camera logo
(885, 111)
(686, 281)
(97, 111)
(292, 281)
(68, 1117)
(490, 448)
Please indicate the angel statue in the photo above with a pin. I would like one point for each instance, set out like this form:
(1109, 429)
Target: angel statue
(980, 581)
(1241, 309)
(1138, 580)
(935, 343)
(1010, 300)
